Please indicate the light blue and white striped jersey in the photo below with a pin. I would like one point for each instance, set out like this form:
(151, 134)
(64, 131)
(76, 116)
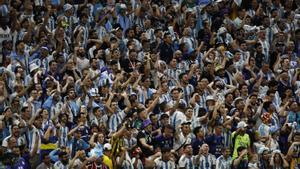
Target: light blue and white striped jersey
(164, 98)
(32, 134)
(129, 142)
(227, 138)
(187, 162)
(115, 120)
(63, 139)
(223, 163)
(207, 162)
(144, 94)
(263, 130)
(187, 92)
(177, 118)
(160, 164)
(173, 74)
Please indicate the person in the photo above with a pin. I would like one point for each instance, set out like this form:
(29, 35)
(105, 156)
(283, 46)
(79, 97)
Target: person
(241, 161)
(107, 159)
(63, 162)
(206, 159)
(278, 160)
(76, 75)
(240, 139)
(187, 159)
(165, 162)
(144, 139)
(46, 162)
(225, 160)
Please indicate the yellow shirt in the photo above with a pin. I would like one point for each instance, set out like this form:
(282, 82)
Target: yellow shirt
(107, 161)
(239, 142)
(295, 162)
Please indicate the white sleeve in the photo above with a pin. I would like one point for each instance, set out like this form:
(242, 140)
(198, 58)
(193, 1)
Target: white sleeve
(218, 164)
(4, 142)
(213, 159)
(181, 162)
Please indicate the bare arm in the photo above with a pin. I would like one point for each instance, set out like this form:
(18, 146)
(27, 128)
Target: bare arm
(35, 146)
(108, 102)
(92, 140)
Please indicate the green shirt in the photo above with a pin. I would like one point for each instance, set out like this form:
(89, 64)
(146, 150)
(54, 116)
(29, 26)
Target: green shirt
(239, 141)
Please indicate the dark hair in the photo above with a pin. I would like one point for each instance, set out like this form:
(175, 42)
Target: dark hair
(95, 109)
(44, 155)
(197, 130)
(168, 126)
(165, 150)
(184, 147)
(241, 148)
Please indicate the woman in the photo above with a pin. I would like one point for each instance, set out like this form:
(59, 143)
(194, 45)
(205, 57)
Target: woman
(278, 161)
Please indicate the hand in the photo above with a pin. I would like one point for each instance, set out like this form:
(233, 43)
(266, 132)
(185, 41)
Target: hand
(244, 152)
(151, 148)
(193, 67)
(92, 159)
(124, 94)
(78, 153)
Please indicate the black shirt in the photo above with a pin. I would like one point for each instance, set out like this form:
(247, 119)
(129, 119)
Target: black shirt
(148, 137)
(166, 52)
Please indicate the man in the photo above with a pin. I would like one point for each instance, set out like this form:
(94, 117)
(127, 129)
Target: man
(107, 160)
(264, 43)
(187, 88)
(123, 18)
(166, 138)
(63, 162)
(77, 143)
(16, 134)
(198, 140)
(241, 161)
(144, 91)
(224, 161)
(144, 138)
(178, 116)
(205, 159)
(166, 48)
(184, 136)
(187, 160)
(46, 162)
(165, 161)
(240, 138)
(216, 141)
(131, 64)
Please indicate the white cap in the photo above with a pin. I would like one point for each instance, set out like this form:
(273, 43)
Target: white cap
(210, 97)
(107, 146)
(222, 30)
(241, 124)
(123, 6)
(262, 149)
(67, 7)
(33, 67)
(235, 100)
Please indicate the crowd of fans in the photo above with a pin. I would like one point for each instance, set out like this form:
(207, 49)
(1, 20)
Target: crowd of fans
(164, 84)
